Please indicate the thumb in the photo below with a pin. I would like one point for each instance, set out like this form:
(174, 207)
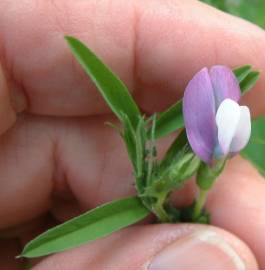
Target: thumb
(158, 247)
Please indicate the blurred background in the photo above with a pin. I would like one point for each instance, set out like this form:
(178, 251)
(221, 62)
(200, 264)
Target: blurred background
(252, 10)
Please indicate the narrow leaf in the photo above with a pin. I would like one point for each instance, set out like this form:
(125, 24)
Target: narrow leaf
(170, 120)
(249, 81)
(129, 137)
(140, 154)
(152, 152)
(110, 86)
(87, 227)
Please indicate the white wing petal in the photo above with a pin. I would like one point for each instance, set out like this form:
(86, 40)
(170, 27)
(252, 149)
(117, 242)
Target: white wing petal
(243, 130)
(227, 119)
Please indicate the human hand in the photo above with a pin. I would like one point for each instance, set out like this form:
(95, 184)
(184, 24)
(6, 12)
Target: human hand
(58, 158)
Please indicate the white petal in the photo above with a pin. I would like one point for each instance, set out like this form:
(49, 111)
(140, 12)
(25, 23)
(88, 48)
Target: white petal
(227, 119)
(243, 130)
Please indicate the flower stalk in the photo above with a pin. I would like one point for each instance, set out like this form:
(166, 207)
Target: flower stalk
(199, 204)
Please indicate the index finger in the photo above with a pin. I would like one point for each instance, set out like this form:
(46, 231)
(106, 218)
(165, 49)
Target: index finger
(154, 46)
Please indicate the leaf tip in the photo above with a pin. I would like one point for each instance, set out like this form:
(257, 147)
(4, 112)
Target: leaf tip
(25, 252)
(70, 39)
(256, 73)
(20, 256)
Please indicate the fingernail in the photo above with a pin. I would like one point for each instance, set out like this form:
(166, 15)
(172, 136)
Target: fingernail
(202, 250)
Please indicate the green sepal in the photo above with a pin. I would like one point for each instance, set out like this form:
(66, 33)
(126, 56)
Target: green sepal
(179, 164)
(207, 174)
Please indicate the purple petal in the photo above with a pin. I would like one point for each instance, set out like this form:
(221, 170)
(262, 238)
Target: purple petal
(225, 84)
(199, 115)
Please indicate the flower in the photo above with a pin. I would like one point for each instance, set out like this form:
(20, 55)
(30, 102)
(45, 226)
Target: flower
(216, 126)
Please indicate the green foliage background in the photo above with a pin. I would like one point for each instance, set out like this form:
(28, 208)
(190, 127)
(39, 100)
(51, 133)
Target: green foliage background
(252, 10)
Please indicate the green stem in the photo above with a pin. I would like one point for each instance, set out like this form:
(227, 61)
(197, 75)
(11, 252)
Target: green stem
(160, 211)
(199, 204)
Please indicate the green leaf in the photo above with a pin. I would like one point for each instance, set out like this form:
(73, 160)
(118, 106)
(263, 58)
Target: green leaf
(220, 4)
(252, 10)
(246, 77)
(129, 137)
(140, 147)
(170, 120)
(110, 86)
(249, 81)
(135, 141)
(255, 150)
(152, 152)
(87, 227)
(242, 72)
(140, 144)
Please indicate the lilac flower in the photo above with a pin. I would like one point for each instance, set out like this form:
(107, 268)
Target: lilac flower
(216, 125)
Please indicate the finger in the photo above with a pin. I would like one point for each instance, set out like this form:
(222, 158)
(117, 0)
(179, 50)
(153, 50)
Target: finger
(89, 169)
(237, 204)
(157, 247)
(65, 158)
(127, 35)
(26, 162)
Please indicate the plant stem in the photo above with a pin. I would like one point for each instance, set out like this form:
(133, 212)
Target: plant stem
(160, 211)
(199, 204)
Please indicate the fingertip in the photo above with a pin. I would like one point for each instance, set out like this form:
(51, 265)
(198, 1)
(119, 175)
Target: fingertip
(157, 247)
(205, 248)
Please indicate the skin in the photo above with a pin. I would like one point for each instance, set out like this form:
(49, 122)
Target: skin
(58, 158)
